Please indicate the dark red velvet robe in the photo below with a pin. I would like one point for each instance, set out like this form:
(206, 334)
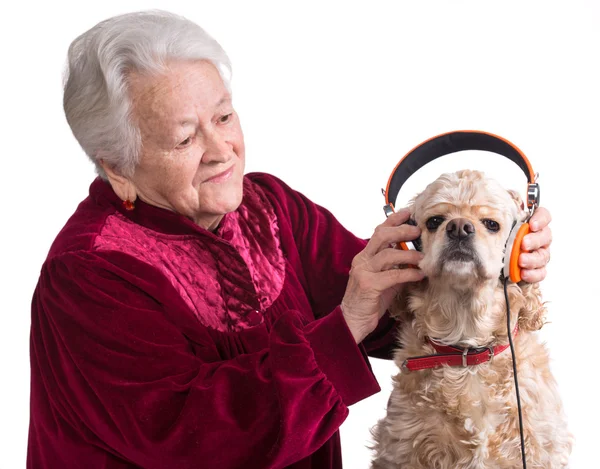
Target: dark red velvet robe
(156, 344)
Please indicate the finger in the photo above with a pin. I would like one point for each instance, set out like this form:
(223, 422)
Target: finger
(540, 219)
(391, 278)
(533, 241)
(535, 259)
(533, 275)
(386, 235)
(390, 257)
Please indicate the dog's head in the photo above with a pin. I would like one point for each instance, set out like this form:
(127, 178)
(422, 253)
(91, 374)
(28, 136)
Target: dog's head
(465, 219)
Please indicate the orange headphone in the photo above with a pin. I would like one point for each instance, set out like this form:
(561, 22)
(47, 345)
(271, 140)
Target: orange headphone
(461, 140)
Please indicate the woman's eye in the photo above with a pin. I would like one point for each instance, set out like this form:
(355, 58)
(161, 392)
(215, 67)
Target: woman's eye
(185, 142)
(225, 119)
(491, 225)
(433, 223)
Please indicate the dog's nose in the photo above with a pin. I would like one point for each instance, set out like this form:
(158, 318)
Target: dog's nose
(459, 228)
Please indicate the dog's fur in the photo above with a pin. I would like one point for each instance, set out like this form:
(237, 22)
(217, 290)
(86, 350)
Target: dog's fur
(466, 418)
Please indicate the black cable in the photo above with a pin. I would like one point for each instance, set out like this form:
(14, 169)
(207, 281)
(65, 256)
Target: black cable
(514, 363)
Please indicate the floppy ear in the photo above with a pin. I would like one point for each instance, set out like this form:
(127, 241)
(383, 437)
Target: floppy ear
(517, 198)
(399, 309)
(532, 315)
(412, 205)
(518, 202)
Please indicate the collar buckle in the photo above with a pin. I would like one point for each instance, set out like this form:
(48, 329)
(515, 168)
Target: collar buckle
(464, 357)
(491, 349)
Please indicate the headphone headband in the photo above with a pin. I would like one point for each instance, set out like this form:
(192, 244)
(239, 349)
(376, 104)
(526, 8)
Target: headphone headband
(452, 142)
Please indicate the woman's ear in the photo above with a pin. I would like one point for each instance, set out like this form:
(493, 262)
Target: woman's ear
(122, 185)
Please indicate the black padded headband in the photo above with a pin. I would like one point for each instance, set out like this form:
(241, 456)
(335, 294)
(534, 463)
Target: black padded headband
(453, 142)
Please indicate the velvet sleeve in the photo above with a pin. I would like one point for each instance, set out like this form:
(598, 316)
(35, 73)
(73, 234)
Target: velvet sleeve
(122, 372)
(324, 249)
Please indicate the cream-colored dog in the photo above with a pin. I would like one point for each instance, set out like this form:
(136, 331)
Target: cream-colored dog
(465, 417)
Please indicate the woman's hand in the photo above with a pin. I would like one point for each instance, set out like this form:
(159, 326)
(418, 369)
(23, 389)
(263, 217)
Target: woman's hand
(374, 279)
(537, 243)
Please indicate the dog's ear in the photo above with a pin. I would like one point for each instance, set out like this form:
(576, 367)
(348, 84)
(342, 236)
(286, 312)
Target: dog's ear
(532, 315)
(399, 309)
(518, 202)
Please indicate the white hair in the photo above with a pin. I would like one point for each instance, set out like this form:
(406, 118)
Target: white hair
(96, 100)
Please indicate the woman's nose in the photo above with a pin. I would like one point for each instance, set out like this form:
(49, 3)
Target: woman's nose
(217, 148)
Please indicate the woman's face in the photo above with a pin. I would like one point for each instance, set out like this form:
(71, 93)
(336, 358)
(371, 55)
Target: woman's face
(192, 157)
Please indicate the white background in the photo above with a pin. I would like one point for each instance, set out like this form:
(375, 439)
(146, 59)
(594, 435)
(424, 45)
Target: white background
(331, 95)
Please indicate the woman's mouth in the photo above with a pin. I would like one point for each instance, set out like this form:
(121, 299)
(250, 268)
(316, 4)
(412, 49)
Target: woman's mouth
(221, 177)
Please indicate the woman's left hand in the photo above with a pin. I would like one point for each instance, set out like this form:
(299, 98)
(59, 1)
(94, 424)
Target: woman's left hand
(537, 242)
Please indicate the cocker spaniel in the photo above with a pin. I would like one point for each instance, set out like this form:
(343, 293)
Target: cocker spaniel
(457, 409)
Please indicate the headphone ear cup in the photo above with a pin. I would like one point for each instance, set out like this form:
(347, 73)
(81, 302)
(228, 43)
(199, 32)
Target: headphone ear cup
(414, 245)
(513, 250)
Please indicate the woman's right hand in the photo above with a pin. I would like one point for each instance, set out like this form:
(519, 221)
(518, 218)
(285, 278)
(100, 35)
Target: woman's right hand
(374, 279)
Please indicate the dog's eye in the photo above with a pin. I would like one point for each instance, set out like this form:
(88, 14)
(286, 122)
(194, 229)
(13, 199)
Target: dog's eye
(433, 223)
(491, 225)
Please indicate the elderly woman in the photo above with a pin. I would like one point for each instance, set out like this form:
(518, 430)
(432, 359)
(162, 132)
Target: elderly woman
(189, 315)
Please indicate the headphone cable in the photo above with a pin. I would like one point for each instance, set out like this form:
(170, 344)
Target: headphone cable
(514, 364)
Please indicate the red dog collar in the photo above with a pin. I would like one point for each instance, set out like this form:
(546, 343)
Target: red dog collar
(454, 356)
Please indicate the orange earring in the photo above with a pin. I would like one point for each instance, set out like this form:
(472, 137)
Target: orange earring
(128, 204)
